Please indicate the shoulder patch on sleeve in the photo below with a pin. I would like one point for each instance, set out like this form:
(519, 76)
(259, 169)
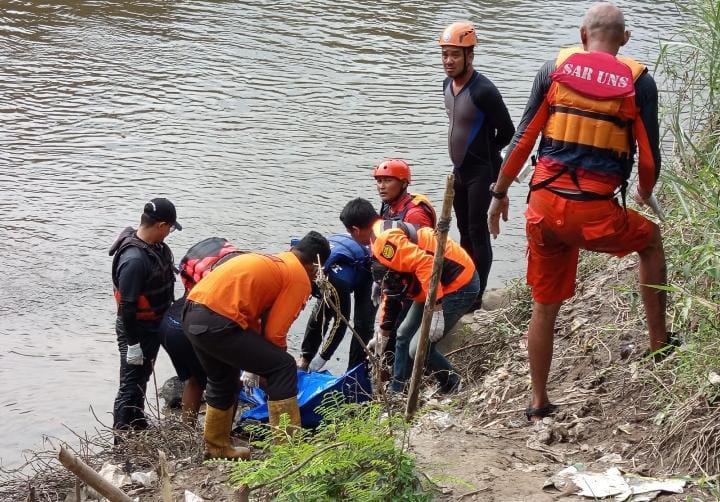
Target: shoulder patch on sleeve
(388, 251)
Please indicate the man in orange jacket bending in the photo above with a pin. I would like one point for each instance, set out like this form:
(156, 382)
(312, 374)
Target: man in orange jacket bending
(403, 255)
(237, 318)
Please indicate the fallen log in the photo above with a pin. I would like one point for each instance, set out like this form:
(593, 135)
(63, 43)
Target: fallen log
(91, 478)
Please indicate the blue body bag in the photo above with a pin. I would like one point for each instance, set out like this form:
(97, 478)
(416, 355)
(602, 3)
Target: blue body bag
(312, 387)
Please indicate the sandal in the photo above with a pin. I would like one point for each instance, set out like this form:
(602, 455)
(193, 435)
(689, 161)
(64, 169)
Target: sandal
(662, 353)
(542, 412)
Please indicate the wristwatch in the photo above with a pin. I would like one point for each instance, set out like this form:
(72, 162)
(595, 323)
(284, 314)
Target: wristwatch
(497, 195)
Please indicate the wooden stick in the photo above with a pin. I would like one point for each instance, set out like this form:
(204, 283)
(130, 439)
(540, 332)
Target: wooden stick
(164, 478)
(421, 354)
(91, 478)
(31, 495)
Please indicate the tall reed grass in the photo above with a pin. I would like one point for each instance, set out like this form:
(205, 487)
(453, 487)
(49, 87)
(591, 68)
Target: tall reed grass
(691, 191)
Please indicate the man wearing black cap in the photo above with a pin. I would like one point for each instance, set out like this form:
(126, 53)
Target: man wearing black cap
(143, 278)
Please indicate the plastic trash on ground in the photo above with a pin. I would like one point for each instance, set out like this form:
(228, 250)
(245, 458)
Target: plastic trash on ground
(613, 483)
(145, 479)
(191, 497)
(114, 474)
(312, 387)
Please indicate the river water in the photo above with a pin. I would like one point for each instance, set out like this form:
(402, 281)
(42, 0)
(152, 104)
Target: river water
(258, 119)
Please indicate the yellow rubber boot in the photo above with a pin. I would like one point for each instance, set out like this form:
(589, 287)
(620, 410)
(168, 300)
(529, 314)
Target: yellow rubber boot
(289, 406)
(217, 435)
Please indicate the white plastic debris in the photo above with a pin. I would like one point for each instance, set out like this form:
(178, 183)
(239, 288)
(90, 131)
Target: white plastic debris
(191, 497)
(114, 474)
(713, 378)
(439, 420)
(596, 485)
(146, 479)
(613, 483)
(640, 485)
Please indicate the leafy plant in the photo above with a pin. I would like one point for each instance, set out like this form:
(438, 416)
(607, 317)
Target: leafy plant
(691, 191)
(357, 453)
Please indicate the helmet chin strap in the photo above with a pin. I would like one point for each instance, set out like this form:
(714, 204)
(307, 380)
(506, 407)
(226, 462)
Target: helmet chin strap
(465, 64)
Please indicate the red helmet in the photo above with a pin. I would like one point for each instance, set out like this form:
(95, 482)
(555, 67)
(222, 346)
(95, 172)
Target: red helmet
(394, 168)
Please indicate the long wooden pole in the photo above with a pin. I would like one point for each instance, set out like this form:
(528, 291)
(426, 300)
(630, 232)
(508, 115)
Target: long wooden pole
(419, 364)
(88, 475)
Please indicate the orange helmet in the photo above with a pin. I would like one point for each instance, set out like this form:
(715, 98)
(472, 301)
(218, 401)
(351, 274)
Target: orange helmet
(394, 168)
(460, 34)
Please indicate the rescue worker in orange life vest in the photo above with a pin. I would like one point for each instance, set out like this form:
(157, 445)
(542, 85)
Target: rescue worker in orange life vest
(594, 110)
(392, 178)
(143, 277)
(238, 317)
(199, 260)
(403, 255)
(479, 127)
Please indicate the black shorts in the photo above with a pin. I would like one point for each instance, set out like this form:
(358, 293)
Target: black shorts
(178, 346)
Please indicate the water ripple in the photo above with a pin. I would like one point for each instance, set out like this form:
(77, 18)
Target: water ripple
(258, 118)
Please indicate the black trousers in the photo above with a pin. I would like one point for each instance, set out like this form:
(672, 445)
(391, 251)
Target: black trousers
(130, 401)
(363, 317)
(224, 348)
(471, 204)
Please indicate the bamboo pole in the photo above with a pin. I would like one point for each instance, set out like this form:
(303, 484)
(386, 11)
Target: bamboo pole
(443, 227)
(91, 478)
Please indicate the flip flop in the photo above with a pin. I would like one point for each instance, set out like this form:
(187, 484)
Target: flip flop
(542, 412)
(674, 341)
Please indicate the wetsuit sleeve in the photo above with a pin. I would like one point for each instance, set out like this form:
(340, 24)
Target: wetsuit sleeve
(491, 102)
(533, 120)
(647, 132)
(284, 311)
(390, 309)
(131, 278)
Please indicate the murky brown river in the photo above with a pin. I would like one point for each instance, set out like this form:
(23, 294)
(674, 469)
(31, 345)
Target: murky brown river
(258, 119)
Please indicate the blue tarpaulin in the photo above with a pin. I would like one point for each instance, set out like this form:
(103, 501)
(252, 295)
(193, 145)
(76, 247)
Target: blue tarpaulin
(312, 387)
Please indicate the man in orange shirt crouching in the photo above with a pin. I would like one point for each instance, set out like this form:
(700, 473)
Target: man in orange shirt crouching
(237, 318)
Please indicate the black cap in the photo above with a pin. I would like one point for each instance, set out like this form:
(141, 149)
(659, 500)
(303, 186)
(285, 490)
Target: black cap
(162, 210)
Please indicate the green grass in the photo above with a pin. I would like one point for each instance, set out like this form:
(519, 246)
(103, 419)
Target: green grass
(690, 190)
(357, 453)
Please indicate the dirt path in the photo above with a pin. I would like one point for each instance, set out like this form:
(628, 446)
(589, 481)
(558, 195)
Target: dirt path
(477, 466)
(502, 465)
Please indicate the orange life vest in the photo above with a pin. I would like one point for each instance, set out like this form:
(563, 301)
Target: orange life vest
(592, 109)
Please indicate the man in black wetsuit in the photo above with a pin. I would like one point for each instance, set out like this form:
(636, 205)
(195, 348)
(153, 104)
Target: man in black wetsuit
(143, 277)
(480, 126)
